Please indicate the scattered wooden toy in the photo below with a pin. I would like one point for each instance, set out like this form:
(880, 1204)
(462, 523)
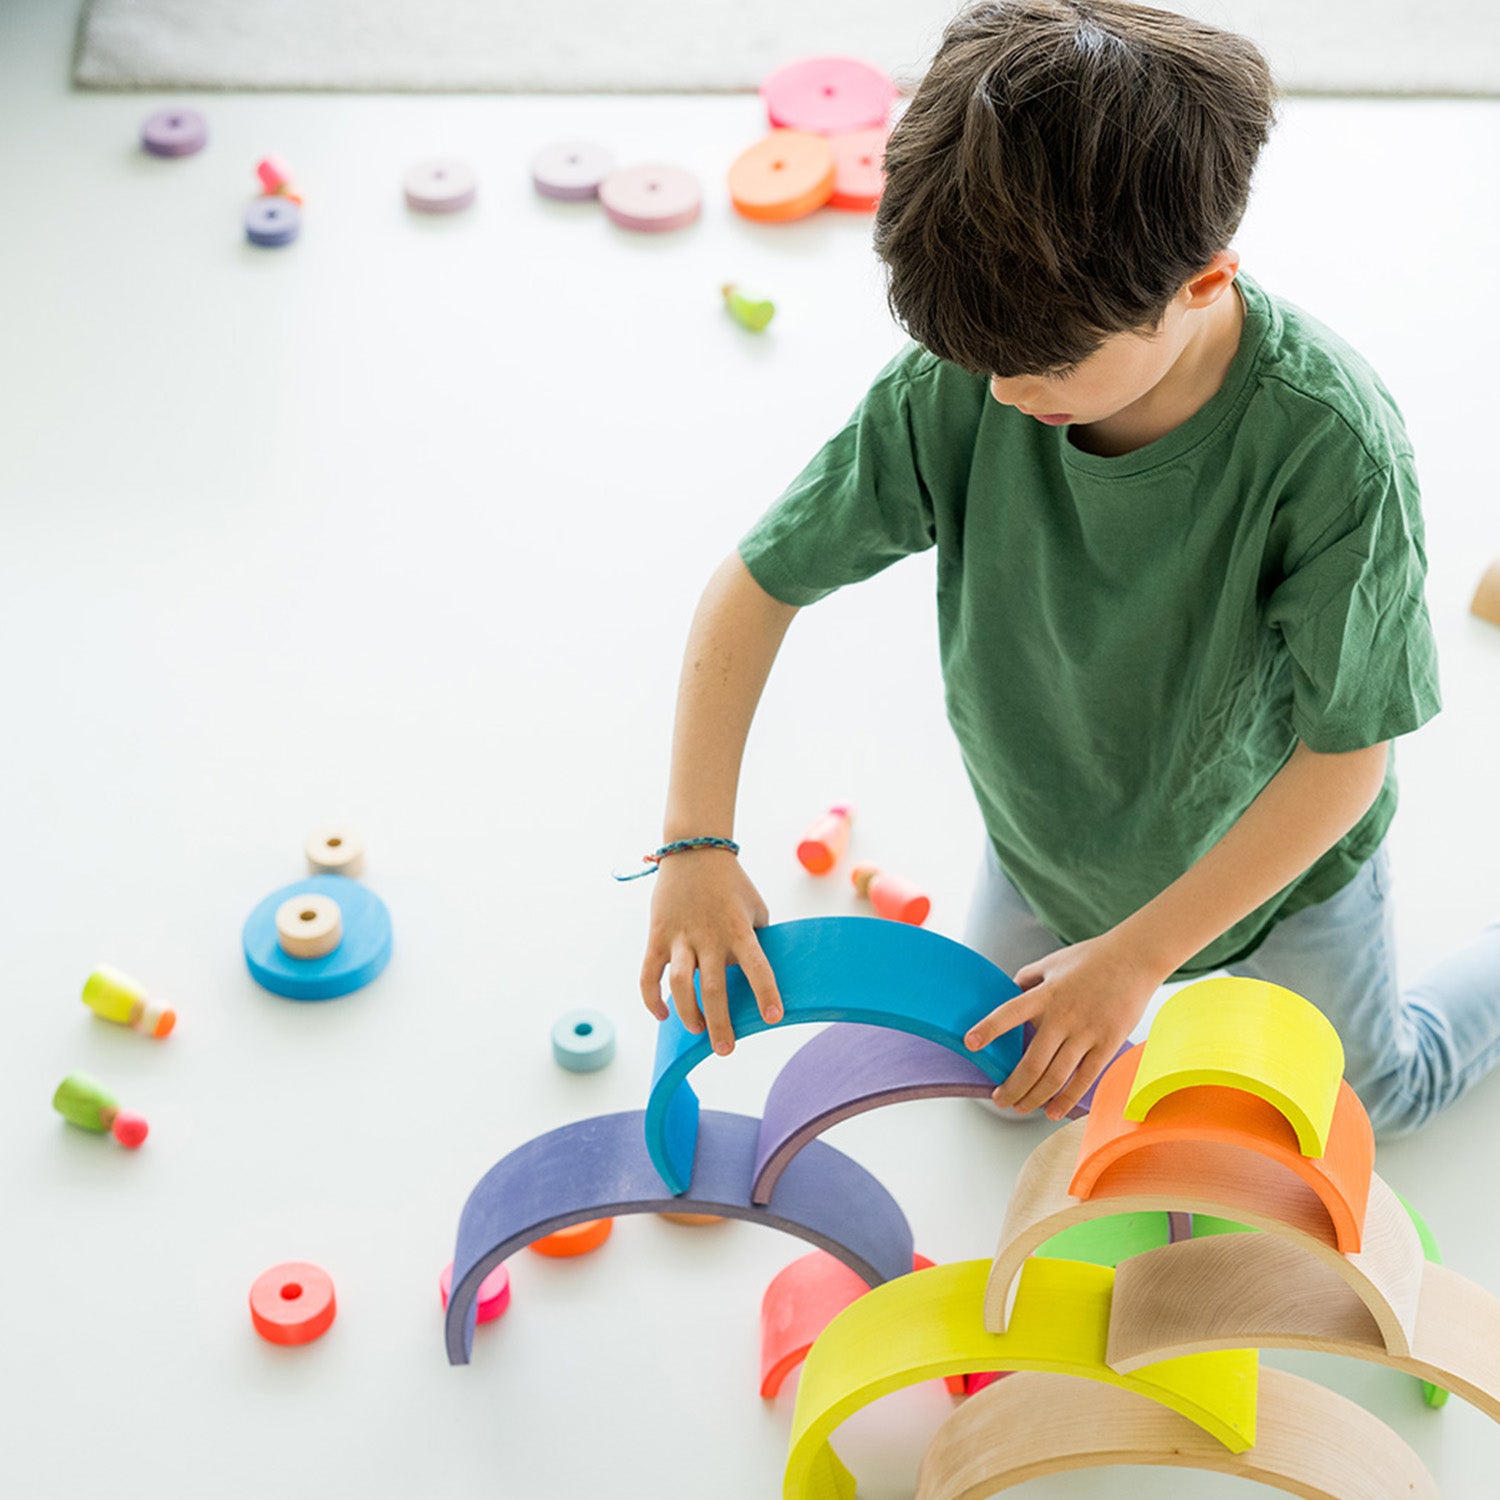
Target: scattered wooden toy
(823, 845)
(575, 1239)
(494, 1292)
(1486, 602)
(653, 198)
(309, 926)
(440, 187)
(894, 898)
(859, 170)
(292, 1303)
(786, 176)
(693, 1221)
(583, 1041)
(362, 954)
(174, 132)
(754, 315)
(117, 997)
(571, 170)
(85, 1102)
(275, 176)
(335, 851)
(272, 221)
(828, 95)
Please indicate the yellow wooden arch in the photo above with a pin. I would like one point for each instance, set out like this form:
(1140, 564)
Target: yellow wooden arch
(929, 1325)
(1251, 1035)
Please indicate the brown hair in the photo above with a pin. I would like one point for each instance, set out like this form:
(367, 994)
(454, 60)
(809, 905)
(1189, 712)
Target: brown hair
(1065, 167)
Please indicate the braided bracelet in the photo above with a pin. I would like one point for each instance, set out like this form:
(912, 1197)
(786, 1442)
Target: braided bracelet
(652, 861)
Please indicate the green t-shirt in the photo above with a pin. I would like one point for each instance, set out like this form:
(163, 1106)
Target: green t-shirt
(1133, 646)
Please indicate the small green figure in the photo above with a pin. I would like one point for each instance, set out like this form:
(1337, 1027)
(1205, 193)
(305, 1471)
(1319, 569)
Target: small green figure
(748, 314)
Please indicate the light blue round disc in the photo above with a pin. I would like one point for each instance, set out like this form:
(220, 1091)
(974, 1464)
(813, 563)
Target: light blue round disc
(363, 951)
(583, 1041)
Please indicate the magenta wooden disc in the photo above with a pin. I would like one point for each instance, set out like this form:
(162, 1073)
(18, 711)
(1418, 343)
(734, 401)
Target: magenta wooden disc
(653, 197)
(828, 95)
(858, 173)
(439, 187)
(571, 170)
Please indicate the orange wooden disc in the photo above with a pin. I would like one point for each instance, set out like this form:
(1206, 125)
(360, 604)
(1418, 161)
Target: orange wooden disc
(694, 1220)
(576, 1239)
(859, 173)
(786, 176)
(292, 1303)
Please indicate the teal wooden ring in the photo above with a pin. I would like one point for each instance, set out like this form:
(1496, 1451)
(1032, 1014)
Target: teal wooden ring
(862, 969)
(583, 1041)
(362, 953)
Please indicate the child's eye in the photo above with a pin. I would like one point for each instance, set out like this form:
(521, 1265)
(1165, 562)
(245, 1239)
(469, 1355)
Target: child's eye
(1063, 373)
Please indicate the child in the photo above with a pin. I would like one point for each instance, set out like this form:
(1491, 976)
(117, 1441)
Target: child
(1180, 572)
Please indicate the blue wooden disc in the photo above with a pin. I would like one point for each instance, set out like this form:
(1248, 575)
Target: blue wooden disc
(363, 952)
(583, 1041)
(272, 220)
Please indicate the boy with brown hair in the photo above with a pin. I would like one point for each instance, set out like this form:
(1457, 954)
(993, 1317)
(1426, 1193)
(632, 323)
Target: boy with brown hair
(1180, 572)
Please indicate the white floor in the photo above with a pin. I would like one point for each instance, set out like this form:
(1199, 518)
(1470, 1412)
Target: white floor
(403, 525)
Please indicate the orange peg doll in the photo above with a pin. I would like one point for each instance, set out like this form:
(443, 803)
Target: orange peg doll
(891, 896)
(824, 843)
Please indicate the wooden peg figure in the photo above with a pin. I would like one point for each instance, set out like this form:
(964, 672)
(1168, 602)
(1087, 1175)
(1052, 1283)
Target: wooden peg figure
(892, 897)
(824, 843)
(117, 997)
(86, 1103)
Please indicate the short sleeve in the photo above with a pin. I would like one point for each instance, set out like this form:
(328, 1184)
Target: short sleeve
(1353, 614)
(861, 504)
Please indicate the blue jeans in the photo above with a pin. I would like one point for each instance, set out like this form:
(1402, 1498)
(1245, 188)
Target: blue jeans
(1407, 1053)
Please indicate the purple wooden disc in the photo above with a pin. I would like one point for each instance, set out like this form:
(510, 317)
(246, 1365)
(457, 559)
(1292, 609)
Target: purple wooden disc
(174, 132)
(272, 220)
(571, 169)
(439, 187)
(653, 197)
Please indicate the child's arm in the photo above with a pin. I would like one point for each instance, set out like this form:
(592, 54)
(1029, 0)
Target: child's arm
(704, 909)
(1085, 999)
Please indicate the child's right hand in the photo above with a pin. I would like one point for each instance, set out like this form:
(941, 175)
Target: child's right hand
(704, 912)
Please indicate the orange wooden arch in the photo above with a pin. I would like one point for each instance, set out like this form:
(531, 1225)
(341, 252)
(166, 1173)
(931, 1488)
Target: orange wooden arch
(1229, 1116)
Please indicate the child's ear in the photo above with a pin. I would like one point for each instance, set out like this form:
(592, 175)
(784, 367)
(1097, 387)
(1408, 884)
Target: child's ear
(1213, 280)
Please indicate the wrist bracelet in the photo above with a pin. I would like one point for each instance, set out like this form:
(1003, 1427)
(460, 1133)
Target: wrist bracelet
(652, 861)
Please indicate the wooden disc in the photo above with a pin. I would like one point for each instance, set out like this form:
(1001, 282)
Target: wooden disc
(309, 926)
(828, 95)
(695, 1220)
(653, 198)
(788, 175)
(858, 169)
(338, 850)
(571, 170)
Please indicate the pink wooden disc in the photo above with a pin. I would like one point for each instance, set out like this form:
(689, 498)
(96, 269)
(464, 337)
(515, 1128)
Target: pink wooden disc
(828, 95)
(494, 1291)
(439, 187)
(653, 197)
(571, 169)
(858, 176)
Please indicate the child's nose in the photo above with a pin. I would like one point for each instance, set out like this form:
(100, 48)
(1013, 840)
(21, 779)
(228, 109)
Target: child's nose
(1009, 392)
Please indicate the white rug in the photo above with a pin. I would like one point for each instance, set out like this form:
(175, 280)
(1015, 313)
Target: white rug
(667, 46)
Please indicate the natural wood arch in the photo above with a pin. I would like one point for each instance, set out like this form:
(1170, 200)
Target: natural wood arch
(928, 1324)
(1204, 1177)
(1310, 1441)
(1239, 1289)
(1232, 1117)
(1245, 1034)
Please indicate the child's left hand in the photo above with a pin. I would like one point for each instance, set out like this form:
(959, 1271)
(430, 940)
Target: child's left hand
(1083, 1002)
